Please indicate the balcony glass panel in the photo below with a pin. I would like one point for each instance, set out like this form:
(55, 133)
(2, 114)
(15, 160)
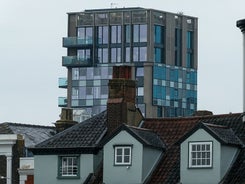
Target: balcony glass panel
(75, 61)
(62, 102)
(76, 41)
(62, 82)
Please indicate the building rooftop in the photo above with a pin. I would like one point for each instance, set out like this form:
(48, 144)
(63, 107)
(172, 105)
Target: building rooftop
(164, 133)
(86, 135)
(33, 134)
(171, 130)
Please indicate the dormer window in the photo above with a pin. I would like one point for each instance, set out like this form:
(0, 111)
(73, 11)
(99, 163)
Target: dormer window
(200, 154)
(123, 155)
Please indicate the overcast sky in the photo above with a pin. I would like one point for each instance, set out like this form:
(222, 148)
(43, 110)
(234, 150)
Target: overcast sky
(31, 49)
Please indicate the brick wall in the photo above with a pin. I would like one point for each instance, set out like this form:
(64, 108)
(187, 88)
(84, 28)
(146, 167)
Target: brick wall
(30, 179)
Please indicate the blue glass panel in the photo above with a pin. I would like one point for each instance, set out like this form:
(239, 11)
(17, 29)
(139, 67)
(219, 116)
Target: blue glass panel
(189, 39)
(158, 34)
(158, 55)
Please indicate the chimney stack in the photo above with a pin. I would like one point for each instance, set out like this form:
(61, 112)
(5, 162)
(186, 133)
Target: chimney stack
(66, 120)
(121, 101)
(241, 24)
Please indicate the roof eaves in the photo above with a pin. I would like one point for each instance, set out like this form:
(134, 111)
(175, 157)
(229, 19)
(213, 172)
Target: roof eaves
(73, 150)
(212, 132)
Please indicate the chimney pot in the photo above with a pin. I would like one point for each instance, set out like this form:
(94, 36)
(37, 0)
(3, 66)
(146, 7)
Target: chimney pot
(66, 120)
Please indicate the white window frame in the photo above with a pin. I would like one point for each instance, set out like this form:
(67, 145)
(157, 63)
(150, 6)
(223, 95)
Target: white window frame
(201, 156)
(122, 155)
(69, 167)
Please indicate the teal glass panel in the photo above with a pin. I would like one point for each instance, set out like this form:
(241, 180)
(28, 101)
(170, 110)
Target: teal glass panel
(158, 55)
(158, 34)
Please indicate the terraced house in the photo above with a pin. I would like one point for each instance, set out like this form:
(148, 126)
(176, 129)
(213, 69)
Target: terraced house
(120, 146)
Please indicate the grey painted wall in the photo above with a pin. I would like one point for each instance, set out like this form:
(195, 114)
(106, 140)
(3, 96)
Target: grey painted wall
(46, 169)
(150, 158)
(222, 157)
(143, 160)
(123, 174)
(228, 154)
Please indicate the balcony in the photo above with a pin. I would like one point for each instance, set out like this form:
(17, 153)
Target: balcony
(76, 42)
(74, 61)
(62, 102)
(62, 82)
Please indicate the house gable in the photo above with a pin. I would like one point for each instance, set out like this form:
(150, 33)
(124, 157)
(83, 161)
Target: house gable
(223, 145)
(143, 158)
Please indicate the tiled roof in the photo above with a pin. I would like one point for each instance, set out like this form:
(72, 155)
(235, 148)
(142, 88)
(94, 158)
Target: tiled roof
(33, 134)
(224, 134)
(172, 129)
(154, 131)
(82, 135)
(145, 136)
(149, 137)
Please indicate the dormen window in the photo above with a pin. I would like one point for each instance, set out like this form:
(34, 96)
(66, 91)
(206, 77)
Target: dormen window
(68, 166)
(123, 155)
(200, 154)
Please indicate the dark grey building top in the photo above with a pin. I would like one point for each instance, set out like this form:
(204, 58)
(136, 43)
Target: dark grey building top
(82, 137)
(33, 134)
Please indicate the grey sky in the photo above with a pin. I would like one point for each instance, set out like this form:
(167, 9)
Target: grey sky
(31, 51)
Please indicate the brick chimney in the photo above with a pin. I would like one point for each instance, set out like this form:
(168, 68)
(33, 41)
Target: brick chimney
(121, 101)
(66, 120)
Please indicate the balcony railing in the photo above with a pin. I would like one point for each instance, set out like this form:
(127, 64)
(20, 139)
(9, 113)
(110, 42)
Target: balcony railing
(62, 82)
(74, 61)
(76, 41)
(62, 102)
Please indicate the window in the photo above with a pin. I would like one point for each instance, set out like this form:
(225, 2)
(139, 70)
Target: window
(103, 35)
(115, 55)
(103, 55)
(140, 33)
(127, 33)
(200, 154)
(85, 35)
(139, 54)
(69, 166)
(123, 155)
(116, 34)
(159, 34)
(84, 55)
(178, 47)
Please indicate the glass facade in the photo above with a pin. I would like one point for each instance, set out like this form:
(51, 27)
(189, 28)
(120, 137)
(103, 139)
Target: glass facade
(90, 88)
(101, 39)
(175, 88)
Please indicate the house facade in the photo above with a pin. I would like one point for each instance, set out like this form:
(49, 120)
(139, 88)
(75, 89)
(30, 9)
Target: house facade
(210, 150)
(136, 152)
(16, 162)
